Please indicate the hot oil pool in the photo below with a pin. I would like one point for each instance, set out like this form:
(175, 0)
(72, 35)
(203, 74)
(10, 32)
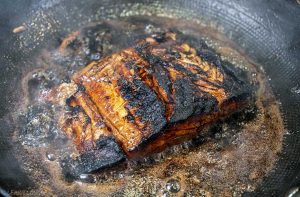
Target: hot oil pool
(232, 160)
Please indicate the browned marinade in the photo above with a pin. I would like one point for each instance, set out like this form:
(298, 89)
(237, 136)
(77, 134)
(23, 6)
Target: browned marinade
(144, 98)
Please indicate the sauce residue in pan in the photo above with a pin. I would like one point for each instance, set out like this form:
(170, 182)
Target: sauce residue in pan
(233, 160)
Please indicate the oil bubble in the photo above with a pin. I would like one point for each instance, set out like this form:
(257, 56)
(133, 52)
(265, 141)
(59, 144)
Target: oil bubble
(173, 186)
(87, 178)
(165, 194)
(51, 157)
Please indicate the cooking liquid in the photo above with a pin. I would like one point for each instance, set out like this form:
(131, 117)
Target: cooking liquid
(236, 156)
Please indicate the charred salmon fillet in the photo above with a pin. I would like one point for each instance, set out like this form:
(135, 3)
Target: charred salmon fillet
(138, 101)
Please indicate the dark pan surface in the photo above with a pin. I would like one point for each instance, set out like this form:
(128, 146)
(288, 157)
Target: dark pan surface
(268, 32)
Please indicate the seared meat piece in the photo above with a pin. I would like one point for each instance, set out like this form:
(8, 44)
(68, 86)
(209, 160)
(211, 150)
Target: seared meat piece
(140, 100)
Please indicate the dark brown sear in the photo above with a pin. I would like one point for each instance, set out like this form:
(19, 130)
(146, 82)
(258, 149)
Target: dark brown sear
(138, 101)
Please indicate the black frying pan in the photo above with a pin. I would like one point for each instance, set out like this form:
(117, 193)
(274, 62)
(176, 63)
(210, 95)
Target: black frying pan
(266, 31)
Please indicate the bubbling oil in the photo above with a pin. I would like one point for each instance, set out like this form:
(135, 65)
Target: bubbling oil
(232, 160)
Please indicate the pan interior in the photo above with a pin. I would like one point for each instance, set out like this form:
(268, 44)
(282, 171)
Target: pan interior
(47, 25)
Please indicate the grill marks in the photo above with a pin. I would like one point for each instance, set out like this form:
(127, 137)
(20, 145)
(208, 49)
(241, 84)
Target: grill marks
(182, 81)
(83, 120)
(118, 92)
(160, 89)
(144, 105)
(157, 77)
